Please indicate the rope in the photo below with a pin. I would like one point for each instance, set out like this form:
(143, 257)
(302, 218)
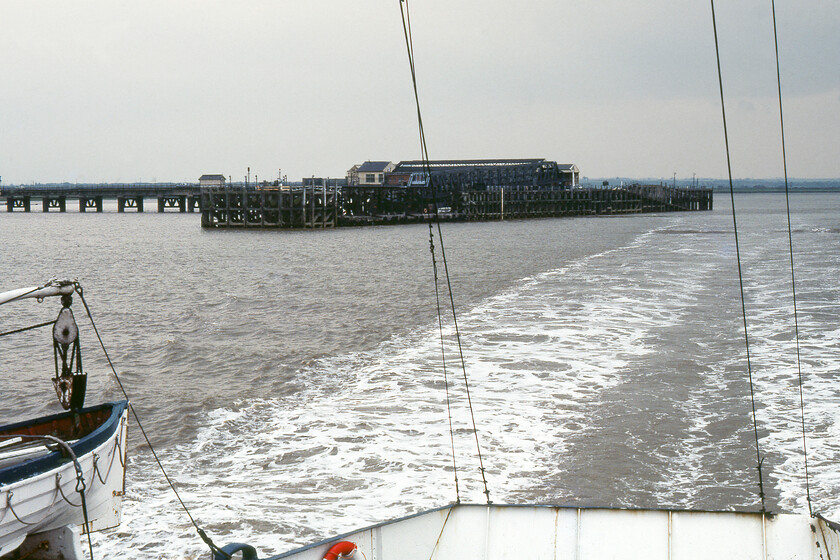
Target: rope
(123, 451)
(61, 491)
(96, 467)
(80, 486)
(24, 329)
(440, 535)
(464, 369)
(207, 540)
(116, 451)
(97, 471)
(738, 257)
(825, 544)
(409, 44)
(792, 277)
(443, 359)
(9, 495)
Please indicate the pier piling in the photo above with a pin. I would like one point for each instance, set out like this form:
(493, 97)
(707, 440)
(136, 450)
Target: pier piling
(18, 203)
(90, 202)
(58, 202)
(272, 207)
(314, 207)
(178, 202)
(135, 202)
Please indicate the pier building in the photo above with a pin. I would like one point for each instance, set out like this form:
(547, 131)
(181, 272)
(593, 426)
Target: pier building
(211, 180)
(369, 173)
(474, 174)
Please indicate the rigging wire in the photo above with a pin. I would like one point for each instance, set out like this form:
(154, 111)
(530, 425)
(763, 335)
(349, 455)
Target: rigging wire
(443, 359)
(463, 363)
(207, 540)
(759, 459)
(792, 276)
(405, 14)
(29, 328)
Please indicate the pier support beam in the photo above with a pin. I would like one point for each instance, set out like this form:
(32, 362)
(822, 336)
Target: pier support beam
(59, 202)
(86, 203)
(17, 203)
(124, 202)
(179, 202)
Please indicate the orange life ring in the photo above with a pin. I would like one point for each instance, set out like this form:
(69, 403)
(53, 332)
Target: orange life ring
(343, 549)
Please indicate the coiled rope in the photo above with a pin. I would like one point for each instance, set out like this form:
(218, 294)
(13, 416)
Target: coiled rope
(759, 459)
(405, 14)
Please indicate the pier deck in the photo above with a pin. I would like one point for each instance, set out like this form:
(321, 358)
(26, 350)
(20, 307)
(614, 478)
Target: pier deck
(180, 197)
(326, 207)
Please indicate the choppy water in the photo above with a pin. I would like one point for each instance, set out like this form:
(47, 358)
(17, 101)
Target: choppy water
(292, 381)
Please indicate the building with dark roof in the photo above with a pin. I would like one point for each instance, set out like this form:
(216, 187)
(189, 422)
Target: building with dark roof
(570, 172)
(369, 173)
(211, 181)
(477, 174)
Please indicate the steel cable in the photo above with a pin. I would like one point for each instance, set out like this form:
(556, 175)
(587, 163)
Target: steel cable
(443, 359)
(24, 329)
(204, 537)
(792, 276)
(409, 43)
(738, 258)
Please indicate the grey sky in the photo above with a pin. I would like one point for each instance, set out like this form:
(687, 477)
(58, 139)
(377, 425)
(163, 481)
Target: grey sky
(115, 90)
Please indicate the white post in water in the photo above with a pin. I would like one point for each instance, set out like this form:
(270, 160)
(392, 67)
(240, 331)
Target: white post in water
(503, 203)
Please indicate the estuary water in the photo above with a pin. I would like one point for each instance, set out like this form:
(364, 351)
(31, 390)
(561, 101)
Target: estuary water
(292, 381)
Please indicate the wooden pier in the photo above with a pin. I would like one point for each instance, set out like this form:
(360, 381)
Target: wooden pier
(518, 202)
(271, 207)
(324, 207)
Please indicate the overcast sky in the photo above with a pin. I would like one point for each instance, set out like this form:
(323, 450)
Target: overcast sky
(118, 90)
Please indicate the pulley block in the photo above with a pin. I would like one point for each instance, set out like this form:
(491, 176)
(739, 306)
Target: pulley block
(70, 381)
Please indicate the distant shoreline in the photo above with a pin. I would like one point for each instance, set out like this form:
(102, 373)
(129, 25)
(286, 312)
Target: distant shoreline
(722, 185)
(759, 190)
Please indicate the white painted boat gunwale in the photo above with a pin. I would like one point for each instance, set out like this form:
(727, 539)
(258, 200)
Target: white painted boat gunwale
(344, 536)
(760, 535)
(46, 499)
